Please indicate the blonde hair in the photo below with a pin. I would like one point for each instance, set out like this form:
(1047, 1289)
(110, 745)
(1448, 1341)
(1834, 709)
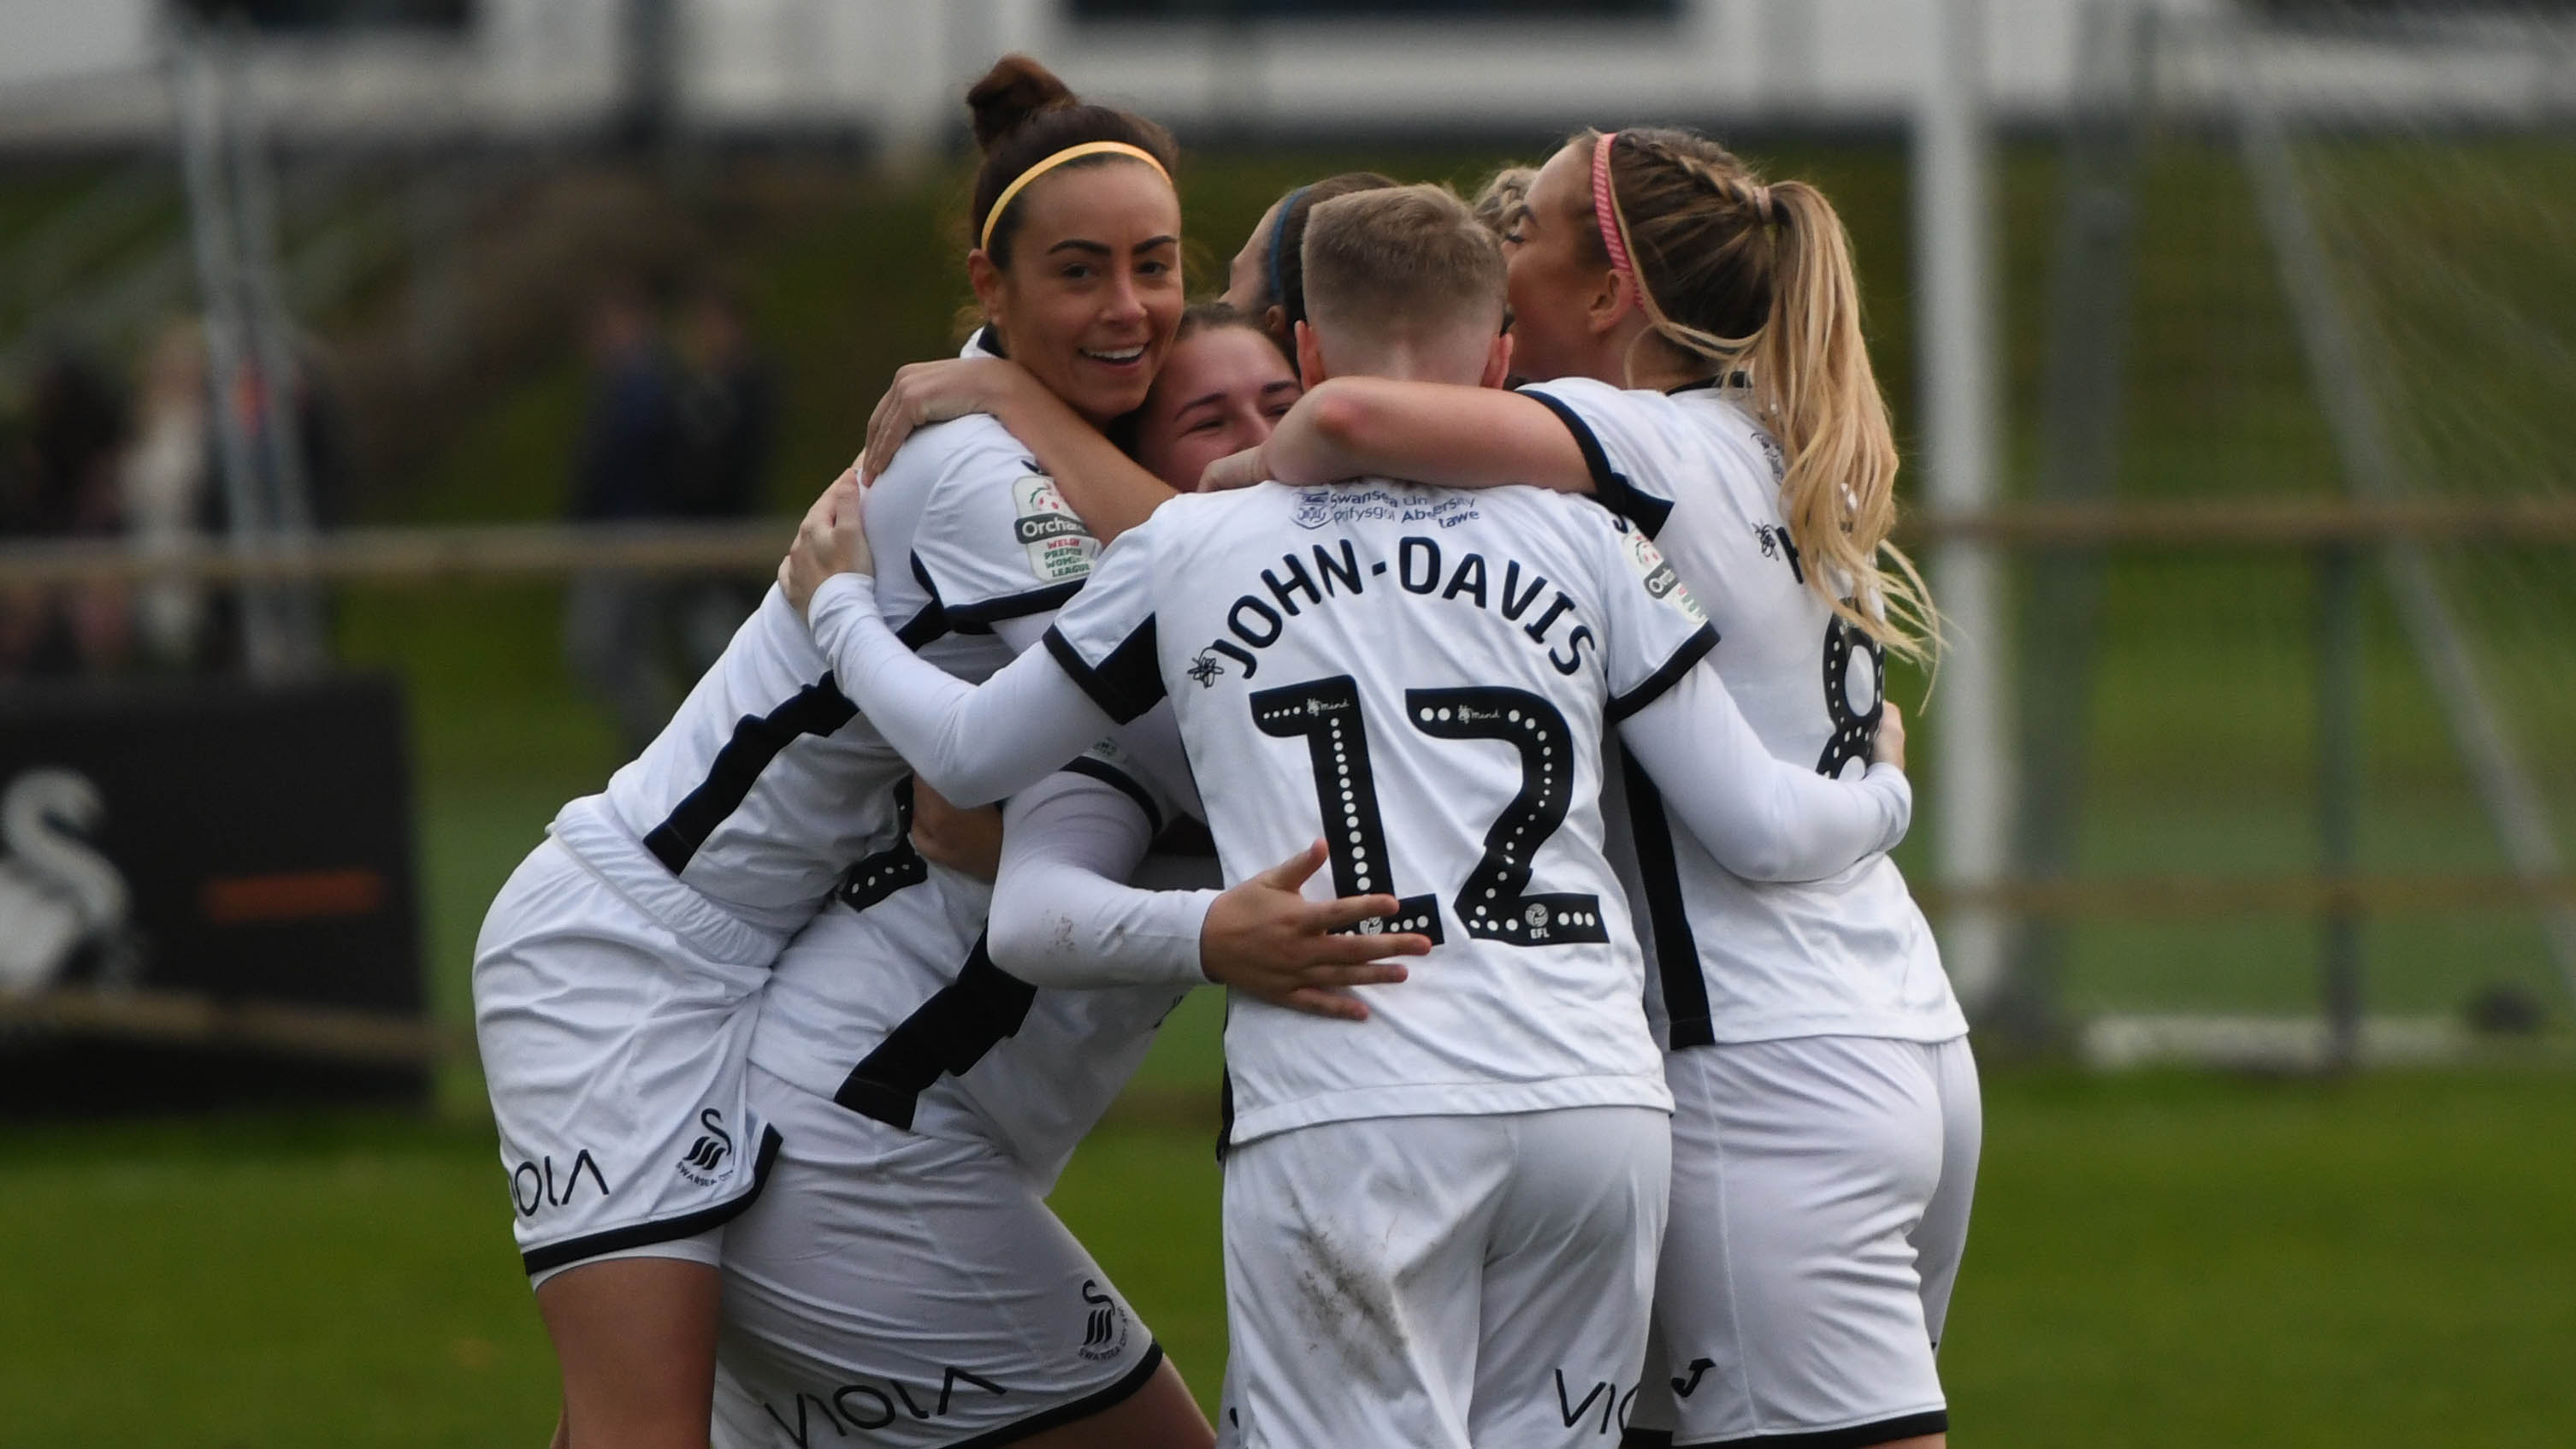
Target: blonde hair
(1756, 278)
(1504, 199)
(1401, 261)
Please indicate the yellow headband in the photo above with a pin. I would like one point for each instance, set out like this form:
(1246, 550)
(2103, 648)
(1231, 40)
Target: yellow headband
(1069, 153)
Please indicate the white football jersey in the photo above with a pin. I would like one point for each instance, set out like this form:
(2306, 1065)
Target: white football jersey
(940, 1040)
(767, 792)
(1423, 678)
(1736, 961)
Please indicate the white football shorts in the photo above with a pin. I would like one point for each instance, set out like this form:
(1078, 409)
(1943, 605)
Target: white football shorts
(1438, 1282)
(1820, 1206)
(894, 1289)
(614, 1053)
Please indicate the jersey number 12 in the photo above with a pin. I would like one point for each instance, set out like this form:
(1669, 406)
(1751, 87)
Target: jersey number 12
(1495, 903)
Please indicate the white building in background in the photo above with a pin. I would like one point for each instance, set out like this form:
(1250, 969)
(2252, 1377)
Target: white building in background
(91, 71)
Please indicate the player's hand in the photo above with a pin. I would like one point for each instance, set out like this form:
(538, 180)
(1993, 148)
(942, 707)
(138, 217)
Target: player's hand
(1235, 470)
(1889, 747)
(966, 841)
(809, 559)
(934, 392)
(1266, 940)
(829, 541)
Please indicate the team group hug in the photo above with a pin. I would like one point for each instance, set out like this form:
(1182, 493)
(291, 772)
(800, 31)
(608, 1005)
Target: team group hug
(1464, 642)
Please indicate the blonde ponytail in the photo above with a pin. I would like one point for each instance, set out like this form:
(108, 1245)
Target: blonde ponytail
(1755, 278)
(1813, 386)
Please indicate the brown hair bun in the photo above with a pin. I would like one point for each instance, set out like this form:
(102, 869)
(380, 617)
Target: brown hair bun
(1014, 90)
(1023, 116)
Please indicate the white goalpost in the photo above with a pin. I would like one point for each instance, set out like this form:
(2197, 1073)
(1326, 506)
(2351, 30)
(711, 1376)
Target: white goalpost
(1955, 282)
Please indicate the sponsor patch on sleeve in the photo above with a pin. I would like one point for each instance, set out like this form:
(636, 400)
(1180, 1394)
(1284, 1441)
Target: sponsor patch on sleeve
(1657, 575)
(1059, 544)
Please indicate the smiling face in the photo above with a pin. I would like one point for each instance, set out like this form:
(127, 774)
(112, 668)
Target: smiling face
(1221, 391)
(1560, 282)
(1093, 289)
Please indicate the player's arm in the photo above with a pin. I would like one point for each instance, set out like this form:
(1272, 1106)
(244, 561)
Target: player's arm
(1430, 432)
(966, 841)
(973, 743)
(1105, 486)
(1761, 817)
(1063, 915)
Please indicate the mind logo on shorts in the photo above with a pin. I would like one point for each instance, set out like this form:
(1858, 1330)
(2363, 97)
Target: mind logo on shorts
(709, 1160)
(1060, 545)
(1104, 1324)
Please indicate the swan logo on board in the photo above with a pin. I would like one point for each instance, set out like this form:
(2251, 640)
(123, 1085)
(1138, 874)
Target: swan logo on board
(58, 895)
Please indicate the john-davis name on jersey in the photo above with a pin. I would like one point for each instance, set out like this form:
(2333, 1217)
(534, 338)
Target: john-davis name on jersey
(1518, 593)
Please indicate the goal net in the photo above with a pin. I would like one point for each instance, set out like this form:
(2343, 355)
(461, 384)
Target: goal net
(2322, 255)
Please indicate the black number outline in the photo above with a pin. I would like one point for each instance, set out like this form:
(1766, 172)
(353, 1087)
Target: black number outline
(1494, 904)
(1853, 734)
(881, 873)
(1325, 713)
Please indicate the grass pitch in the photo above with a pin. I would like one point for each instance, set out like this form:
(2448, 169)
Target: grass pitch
(2155, 1260)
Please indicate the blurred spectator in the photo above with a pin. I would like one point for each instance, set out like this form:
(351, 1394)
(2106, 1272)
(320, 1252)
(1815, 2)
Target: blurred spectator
(726, 417)
(676, 433)
(624, 467)
(624, 472)
(323, 458)
(173, 491)
(168, 489)
(74, 465)
(60, 482)
(726, 412)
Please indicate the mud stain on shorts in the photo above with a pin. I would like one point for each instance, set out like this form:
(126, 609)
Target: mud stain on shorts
(1344, 1301)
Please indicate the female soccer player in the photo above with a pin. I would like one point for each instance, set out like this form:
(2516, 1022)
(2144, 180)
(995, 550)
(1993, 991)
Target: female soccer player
(1503, 198)
(1535, 1017)
(1221, 390)
(617, 972)
(1267, 279)
(1110, 491)
(1714, 387)
(901, 1279)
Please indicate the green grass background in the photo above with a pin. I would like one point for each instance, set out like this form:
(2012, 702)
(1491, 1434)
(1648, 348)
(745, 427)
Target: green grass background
(2156, 1259)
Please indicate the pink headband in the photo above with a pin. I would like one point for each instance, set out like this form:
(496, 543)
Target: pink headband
(1606, 211)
